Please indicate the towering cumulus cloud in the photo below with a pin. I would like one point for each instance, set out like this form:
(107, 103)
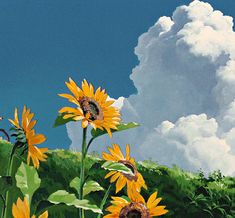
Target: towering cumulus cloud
(185, 97)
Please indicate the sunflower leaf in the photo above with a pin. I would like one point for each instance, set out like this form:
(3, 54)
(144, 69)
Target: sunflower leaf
(27, 180)
(115, 166)
(75, 183)
(90, 186)
(61, 121)
(122, 126)
(64, 197)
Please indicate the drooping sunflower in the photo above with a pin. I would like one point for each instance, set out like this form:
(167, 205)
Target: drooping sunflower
(133, 182)
(21, 210)
(137, 207)
(93, 108)
(30, 138)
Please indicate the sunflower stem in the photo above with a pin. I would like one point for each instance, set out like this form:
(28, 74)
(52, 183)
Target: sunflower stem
(9, 172)
(104, 199)
(82, 171)
(88, 145)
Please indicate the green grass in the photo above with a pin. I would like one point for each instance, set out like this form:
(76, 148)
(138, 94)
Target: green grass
(185, 194)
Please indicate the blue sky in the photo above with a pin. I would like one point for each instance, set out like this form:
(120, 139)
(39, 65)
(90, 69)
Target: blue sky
(42, 43)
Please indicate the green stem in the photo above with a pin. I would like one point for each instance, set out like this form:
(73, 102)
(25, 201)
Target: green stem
(104, 199)
(88, 145)
(9, 172)
(82, 171)
(4, 205)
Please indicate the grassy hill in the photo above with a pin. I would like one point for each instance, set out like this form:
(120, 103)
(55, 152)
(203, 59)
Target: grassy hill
(185, 194)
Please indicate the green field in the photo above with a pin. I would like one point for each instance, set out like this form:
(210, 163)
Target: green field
(185, 194)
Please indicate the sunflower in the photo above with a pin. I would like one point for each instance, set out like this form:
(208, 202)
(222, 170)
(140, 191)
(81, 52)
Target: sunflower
(93, 108)
(21, 210)
(133, 182)
(31, 139)
(137, 207)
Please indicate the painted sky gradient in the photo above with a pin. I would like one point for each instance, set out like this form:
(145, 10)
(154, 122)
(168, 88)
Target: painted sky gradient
(42, 43)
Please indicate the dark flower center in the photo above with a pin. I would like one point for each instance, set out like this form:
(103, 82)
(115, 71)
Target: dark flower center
(134, 214)
(133, 169)
(89, 105)
(134, 210)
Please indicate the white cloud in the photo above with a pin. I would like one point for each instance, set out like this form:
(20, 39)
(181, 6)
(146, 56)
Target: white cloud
(186, 92)
(192, 143)
(118, 102)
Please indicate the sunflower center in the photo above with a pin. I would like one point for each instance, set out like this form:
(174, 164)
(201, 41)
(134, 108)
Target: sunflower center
(91, 107)
(134, 210)
(133, 169)
(134, 214)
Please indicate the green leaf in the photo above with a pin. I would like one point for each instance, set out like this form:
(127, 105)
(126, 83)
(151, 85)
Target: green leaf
(90, 186)
(5, 183)
(114, 166)
(63, 196)
(123, 126)
(27, 180)
(75, 183)
(61, 121)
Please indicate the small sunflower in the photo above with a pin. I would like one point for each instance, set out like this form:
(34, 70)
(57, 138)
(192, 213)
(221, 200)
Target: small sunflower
(137, 207)
(92, 107)
(21, 210)
(133, 182)
(30, 139)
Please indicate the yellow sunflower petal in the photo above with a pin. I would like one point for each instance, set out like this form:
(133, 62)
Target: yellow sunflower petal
(44, 215)
(76, 118)
(135, 196)
(151, 199)
(114, 177)
(84, 123)
(16, 117)
(121, 182)
(158, 211)
(119, 201)
(37, 139)
(141, 181)
(118, 151)
(154, 203)
(67, 116)
(86, 88)
(109, 132)
(127, 152)
(109, 157)
(109, 174)
(116, 154)
(21, 209)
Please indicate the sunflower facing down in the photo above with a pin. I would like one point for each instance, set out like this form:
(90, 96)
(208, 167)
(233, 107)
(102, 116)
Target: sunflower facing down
(134, 182)
(32, 139)
(137, 207)
(21, 210)
(92, 107)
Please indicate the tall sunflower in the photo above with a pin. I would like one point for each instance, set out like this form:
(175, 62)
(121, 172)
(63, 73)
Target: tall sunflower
(93, 108)
(133, 182)
(21, 210)
(30, 138)
(137, 207)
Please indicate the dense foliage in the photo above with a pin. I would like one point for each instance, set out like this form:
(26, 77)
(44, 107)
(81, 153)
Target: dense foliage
(185, 194)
